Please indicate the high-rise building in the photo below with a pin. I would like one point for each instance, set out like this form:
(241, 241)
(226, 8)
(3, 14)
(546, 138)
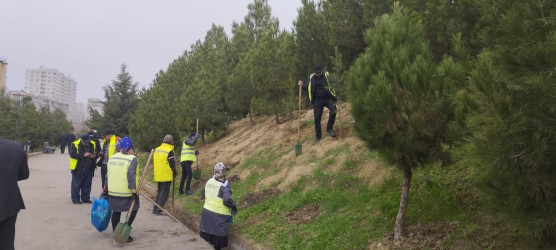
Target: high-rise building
(41, 101)
(3, 67)
(79, 114)
(53, 84)
(95, 104)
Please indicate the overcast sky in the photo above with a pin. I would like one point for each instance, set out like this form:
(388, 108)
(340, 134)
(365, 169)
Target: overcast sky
(90, 40)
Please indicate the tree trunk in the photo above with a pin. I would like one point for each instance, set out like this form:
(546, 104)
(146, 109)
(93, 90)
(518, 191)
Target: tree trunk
(277, 119)
(399, 226)
(251, 118)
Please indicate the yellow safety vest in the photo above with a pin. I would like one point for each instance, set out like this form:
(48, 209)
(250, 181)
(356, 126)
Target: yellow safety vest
(214, 203)
(187, 153)
(329, 87)
(118, 166)
(73, 162)
(162, 170)
(112, 146)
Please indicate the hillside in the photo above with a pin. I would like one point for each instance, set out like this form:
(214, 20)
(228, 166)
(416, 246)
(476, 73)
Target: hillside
(339, 195)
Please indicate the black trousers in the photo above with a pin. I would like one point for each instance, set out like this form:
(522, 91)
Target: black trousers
(116, 218)
(7, 233)
(103, 171)
(62, 148)
(186, 174)
(318, 108)
(162, 194)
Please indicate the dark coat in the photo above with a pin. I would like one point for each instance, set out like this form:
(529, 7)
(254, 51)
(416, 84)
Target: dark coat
(63, 140)
(70, 139)
(13, 168)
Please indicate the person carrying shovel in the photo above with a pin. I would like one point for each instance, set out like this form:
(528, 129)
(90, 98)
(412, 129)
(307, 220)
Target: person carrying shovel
(122, 181)
(321, 95)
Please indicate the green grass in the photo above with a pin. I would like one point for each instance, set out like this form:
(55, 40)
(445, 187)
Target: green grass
(351, 212)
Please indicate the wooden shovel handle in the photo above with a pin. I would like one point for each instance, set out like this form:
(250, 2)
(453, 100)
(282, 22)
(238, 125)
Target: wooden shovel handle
(139, 185)
(299, 116)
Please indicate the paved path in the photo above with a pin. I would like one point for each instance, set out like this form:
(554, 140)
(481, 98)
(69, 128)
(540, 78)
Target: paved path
(52, 221)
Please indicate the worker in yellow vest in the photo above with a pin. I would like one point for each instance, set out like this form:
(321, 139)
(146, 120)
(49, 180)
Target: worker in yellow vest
(321, 94)
(218, 207)
(108, 149)
(164, 171)
(122, 181)
(82, 165)
(188, 156)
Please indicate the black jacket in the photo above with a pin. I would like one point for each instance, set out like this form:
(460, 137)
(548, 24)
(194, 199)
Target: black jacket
(82, 161)
(13, 168)
(314, 81)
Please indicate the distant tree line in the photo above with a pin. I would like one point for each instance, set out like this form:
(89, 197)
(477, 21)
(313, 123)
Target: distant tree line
(38, 126)
(423, 77)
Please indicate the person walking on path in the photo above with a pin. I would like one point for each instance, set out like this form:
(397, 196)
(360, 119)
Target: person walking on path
(122, 182)
(70, 138)
(188, 156)
(63, 142)
(13, 168)
(164, 171)
(321, 95)
(218, 207)
(108, 149)
(82, 165)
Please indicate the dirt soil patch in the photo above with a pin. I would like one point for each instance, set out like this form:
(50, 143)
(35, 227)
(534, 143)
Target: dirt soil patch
(421, 236)
(254, 198)
(303, 215)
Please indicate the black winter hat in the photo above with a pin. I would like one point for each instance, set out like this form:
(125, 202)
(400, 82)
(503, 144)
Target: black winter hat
(317, 68)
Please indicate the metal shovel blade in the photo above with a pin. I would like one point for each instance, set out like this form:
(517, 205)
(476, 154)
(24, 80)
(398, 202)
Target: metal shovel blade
(298, 149)
(121, 234)
(196, 174)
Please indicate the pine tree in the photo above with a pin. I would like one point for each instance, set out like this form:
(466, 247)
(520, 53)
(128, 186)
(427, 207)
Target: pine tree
(7, 116)
(400, 99)
(513, 108)
(311, 39)
(160, 110)
(122, 99)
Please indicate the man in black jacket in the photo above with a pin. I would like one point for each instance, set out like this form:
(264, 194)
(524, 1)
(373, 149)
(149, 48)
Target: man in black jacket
(63, 142)
(13, 168)
(321, 95)
(82, 164)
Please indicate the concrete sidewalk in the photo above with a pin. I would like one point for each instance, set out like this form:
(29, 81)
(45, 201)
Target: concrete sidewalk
(52, 221)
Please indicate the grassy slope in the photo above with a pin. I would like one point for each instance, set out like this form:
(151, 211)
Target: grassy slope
(339, 195)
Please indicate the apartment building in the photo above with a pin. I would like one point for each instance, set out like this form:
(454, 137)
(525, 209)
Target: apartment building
(54, 85)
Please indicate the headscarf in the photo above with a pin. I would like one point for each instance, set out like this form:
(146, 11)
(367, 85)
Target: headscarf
(219, 170)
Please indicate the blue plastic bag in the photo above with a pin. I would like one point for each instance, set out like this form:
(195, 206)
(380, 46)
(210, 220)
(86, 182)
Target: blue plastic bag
(100, 214)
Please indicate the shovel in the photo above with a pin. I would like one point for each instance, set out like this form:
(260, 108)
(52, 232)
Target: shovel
(122, 231)
(298, 148)
(197, 171)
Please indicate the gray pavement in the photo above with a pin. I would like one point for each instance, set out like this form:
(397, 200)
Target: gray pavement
(52, 221)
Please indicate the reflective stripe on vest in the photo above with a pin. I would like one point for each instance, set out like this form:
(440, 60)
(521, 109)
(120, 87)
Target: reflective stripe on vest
(118, 166)
(187, 153)
(162, 169)
(73, 162)
(329, 87)
(214, 203)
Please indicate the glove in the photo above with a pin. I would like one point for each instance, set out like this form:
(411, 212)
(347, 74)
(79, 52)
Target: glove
(234, 210)
(197, 135)
(104, 194)
(135, 197)
(196, 152)
(174, 173)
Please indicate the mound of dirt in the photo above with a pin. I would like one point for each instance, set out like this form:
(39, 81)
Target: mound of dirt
(421, 236)
(303, 215)
(254, 198)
